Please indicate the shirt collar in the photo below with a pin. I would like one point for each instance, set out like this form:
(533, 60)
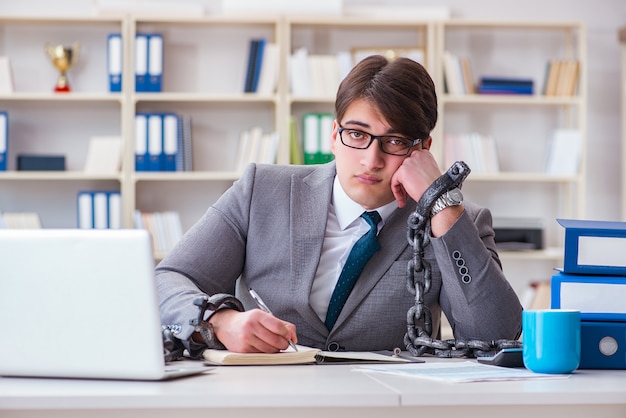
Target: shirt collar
(347, 210)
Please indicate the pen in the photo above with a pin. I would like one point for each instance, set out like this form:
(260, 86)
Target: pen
(264, 308)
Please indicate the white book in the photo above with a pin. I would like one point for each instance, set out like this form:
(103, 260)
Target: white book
(115, 210)
(104, 155)
(268, 78)
(564, 152)
(100, 210)
(6, 76)
(85, 210)
(21, 220)
(299, 76)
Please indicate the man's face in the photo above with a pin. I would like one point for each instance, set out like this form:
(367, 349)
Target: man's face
(365, 174)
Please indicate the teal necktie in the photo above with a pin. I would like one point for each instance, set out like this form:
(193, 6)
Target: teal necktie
(362, 251)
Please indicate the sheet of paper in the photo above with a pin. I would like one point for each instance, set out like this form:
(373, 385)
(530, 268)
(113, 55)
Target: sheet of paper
(459, 372)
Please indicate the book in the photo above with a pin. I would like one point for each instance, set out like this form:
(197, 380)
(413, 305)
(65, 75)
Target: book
(142, 157)
(304, 355)
(104, 155)
(155, 62)
(599, 298)
(6, 76)
(564, 153)
(141, 62)
(594, 247)
(20, 220)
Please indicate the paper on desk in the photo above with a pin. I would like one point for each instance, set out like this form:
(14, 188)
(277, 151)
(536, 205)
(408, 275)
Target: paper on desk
(459, 372)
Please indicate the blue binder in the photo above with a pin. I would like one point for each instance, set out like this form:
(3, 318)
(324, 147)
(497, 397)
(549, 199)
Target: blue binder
(600, 297)
(141, 63)
(603, 345)
(171, 148)
(114, 62)
(155, 63)
(155, 142)
(4, 140)
(594, 247)
(141, 142)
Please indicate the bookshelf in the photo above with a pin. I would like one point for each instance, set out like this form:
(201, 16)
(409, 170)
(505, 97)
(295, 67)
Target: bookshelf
(203, 77)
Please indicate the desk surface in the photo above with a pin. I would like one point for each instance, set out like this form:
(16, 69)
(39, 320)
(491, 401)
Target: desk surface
(313, 391)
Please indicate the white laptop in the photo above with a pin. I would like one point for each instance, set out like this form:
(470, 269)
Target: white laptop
(81, 304)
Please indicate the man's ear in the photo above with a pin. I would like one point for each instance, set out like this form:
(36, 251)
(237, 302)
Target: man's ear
(427, 143)
(334, 136)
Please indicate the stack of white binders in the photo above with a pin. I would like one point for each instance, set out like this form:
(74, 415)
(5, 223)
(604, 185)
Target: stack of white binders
(593, 281)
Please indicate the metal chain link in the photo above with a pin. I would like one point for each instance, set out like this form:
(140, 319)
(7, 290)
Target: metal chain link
(418, 339)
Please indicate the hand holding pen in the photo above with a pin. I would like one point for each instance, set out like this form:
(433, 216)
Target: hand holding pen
(262, 306)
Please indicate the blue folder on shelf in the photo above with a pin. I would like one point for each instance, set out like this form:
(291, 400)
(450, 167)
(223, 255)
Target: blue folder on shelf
(4, 140)
(594, 247)
(114, 62)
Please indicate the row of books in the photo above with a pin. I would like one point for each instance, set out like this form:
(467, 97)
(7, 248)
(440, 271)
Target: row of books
(163, 142)
(4, 139)
(317, 74)
(256, 146)
(262, 70)
(593, 281)
(478, 151)
(148, 62)
(316, 131)
(561, 79)
(20, 220)
(99, 209)
(164, 227)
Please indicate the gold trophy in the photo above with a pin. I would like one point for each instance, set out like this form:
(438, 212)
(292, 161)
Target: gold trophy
(63, 58)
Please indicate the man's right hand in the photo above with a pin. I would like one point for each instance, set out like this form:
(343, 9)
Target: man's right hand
(252, 331)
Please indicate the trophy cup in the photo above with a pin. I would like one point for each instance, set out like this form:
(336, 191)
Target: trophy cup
(63, 58)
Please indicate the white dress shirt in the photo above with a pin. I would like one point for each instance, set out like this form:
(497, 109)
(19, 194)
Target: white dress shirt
(344, 227)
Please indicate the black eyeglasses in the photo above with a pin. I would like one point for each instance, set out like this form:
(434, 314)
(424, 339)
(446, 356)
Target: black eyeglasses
(389, 144)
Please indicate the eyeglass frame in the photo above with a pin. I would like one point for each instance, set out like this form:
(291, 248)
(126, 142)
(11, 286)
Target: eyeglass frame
(414, 142)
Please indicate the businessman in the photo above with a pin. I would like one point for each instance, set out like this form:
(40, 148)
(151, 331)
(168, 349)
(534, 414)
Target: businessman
(288, 232)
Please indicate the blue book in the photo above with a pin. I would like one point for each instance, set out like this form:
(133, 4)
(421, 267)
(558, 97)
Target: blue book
(594, 247)
(603, 345)
(4, 140)
(258, 62)
(506, 81)
(252, 56)
(597, 297)
(155, 63)
(114, 62)
(142, 157)
(141, 63)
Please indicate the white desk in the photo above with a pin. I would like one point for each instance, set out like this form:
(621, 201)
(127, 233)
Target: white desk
(313, 392)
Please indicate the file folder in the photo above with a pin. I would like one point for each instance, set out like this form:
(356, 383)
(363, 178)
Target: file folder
(594, 247)
(603, 345)
(600, 297)
(155, 142)
(4, 140)
(155, 63)
(141, 63)
(85, 210)
(141, 142)
(114, 61)
(170, 141)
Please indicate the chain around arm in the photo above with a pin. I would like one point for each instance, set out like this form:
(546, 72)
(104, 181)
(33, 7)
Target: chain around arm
(418, 339)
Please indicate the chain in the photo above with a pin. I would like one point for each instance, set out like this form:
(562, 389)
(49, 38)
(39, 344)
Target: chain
(417, 338)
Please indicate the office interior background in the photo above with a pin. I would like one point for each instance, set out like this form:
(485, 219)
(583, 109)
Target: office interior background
(602, 18)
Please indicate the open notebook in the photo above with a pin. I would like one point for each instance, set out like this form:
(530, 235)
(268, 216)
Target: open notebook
(81, 304)
(304, 355)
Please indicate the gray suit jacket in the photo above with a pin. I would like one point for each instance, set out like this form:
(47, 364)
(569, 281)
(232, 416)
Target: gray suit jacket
(269, 228)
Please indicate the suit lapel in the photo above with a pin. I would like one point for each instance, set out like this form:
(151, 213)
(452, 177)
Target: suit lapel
(310, 199)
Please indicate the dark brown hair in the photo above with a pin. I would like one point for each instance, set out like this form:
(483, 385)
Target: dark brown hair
(401, 90)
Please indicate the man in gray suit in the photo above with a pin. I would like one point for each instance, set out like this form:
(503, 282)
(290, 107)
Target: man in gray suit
(286, 232)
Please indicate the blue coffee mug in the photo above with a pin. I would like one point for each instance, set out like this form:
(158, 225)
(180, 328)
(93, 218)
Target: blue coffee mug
(551, 340)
